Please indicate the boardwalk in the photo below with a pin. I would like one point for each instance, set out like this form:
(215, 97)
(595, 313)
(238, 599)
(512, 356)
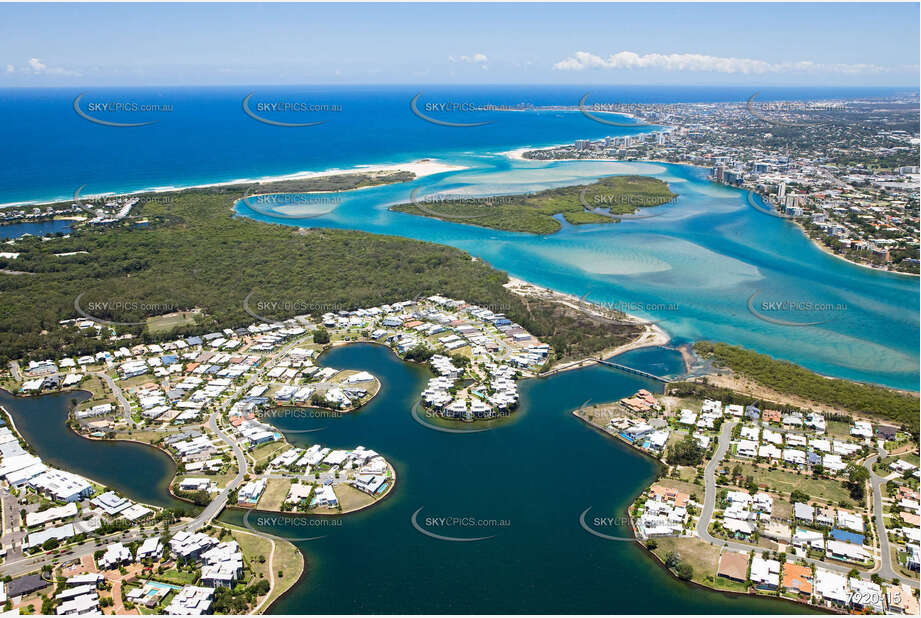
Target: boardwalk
(633, 371)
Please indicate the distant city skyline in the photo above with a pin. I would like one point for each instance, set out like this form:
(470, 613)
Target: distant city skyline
(655, 44)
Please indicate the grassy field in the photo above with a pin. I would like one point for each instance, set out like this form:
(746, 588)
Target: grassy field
(687, 474)
(175, 576)
(785, 482)
(267, 452)
(783, 509)
(166, 323)
(533, 213)
(97, 387)
(136, 381)
(838, 429)
(911, 458)
(276, 490)
(688, 488)
(143, 436)
(703, 557)
(287, 559)
(351, 498)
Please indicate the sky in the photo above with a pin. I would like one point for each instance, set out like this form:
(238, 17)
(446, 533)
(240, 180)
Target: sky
(657, 44)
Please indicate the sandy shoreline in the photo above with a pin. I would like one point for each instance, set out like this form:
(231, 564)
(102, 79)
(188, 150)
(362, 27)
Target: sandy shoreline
(517, 153)
(419, 167)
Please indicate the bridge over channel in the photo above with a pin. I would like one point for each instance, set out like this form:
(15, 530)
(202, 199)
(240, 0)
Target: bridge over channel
(637, 372)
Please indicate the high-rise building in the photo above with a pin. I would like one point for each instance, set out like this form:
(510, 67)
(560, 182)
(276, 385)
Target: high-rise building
(782, 190)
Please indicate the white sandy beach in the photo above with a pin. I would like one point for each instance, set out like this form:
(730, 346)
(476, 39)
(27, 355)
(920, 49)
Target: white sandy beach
(420, 167)
(517, 154)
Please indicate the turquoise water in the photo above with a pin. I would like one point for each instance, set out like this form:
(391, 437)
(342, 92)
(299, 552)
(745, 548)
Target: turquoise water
(537, 473)
(696, 266)
(659, 361)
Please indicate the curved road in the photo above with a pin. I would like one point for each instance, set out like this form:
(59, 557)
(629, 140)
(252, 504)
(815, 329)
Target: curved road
(220, 501)
(885, 556)
(706, 514)
(710, 484)
(117, 391)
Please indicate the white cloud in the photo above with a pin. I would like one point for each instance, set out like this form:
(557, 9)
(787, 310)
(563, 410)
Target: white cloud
(36, 67)
(581, 61)
(474, 59)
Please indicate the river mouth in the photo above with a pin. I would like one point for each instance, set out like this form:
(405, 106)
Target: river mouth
(691, 270)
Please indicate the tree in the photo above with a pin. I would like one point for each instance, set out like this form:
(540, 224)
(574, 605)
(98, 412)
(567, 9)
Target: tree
(672, 559)
(857, 477)
(419, 353)
(685, 571)
(321, 335)
(685, 453)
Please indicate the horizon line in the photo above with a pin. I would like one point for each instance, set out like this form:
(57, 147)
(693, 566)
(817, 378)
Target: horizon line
(460, 85)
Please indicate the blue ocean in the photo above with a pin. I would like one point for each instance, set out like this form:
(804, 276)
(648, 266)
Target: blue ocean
(204, 136)
(697, 270)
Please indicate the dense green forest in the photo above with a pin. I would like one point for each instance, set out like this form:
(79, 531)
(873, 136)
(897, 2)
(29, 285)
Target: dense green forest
(195, 254)
(534, 212)
(786, 377)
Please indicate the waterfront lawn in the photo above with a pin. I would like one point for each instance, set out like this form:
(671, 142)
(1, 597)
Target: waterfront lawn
(703, 557)
(287, 559)
(351, 498)
(276, 490)
(148, 437)
(100, 394)
(786, 482)
(257, 550)
(600, 414)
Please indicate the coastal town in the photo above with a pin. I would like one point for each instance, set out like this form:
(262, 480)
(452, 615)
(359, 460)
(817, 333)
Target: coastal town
(755, 497)
(775, 501)
(845, 171)
(209, 401)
